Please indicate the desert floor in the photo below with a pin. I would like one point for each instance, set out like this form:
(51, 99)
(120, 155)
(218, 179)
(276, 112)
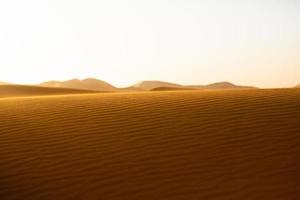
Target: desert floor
(242, 144)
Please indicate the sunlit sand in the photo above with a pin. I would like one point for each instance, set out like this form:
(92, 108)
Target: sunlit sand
(232, 144)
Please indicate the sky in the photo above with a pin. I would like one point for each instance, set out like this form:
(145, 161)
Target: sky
(247, 42)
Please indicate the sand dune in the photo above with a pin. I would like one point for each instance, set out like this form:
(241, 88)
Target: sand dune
(172, 88)
(150, 85)
(130, 89)
(152, 145)
(226, 85)
(86, 84)
(214, 86)
(160, 85)
(24, 91)
(3, 83)
(98, 85)
(220, 85)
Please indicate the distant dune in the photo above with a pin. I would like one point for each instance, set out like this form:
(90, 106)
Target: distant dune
(131, 89)
(149, 85)
(22, 90)
(217, 144)
(98, 85)
(220, 85)
(225, 85)
(298, 86)
(3, 83)
(159, 85)
(214, 86)
(86, 84)
(172, 88)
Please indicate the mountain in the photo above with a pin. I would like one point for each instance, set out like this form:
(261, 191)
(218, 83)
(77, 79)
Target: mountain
(297, 86)
(150, 85)
(86, 84)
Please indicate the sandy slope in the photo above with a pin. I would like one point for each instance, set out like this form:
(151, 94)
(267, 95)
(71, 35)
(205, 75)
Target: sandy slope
(152, 145)
(25, 91)
(3, 83)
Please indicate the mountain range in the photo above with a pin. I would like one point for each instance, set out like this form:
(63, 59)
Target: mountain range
(99, 85)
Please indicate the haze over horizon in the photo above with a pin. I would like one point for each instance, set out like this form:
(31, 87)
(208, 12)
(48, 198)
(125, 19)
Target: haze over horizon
(187, 42)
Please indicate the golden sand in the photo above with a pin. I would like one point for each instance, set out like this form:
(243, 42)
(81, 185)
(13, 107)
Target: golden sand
(152, 145)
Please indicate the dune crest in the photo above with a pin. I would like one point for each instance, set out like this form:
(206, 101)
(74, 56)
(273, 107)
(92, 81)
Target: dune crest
(24, 91)
(149, 85)
(172, 88)
(4, 83)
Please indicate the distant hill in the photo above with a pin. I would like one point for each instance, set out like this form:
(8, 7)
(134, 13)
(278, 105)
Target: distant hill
(226, 85)
(172, 88)
(160, 85)
(98, 85)
(219, 85)
(24, 90)
(297, 86)
(86, 84)
(150, 85)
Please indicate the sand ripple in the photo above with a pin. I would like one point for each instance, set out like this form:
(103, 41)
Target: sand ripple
(152, 145)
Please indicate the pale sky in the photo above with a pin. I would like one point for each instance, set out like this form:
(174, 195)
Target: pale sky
(248, 42)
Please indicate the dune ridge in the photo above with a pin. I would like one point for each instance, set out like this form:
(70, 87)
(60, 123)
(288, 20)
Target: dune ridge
(172, 88)
(3, 83)
(25, 91)
(152, 145)
(220, 85)
(149, 85)
(160, 85)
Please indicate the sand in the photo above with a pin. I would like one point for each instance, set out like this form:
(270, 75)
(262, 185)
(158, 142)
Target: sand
(152, 145)
(25, 91)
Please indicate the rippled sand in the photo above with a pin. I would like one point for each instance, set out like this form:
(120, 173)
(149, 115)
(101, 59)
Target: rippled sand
(152, 145)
